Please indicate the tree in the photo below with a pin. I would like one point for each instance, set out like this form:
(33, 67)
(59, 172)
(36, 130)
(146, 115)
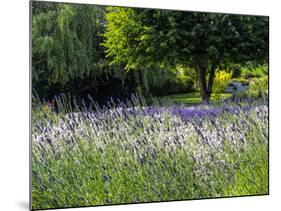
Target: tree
(144, 37)
(66, 45)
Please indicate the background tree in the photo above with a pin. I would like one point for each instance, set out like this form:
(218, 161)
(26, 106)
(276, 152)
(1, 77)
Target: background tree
(144, 37)
(66, 48)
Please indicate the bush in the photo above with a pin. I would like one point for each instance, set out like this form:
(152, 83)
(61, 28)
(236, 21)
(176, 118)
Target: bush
(259, 87)
(184, 83)
(255, 72)
(175, 81)
(178, 85)
(222, 78)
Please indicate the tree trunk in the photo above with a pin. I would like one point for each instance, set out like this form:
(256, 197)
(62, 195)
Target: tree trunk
(211, 80)
(201, 72)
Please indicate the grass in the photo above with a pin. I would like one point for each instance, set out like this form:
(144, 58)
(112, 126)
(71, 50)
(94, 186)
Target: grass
(191, 98)
(119, 155)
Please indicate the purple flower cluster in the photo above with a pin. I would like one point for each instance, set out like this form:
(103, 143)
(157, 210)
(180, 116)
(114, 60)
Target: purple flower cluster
(188, 113)
(151, 111)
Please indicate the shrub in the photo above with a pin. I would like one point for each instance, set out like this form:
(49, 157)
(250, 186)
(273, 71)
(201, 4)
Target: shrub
(177, 82)
(222, 78)
(255, 72)
(184, 83)
(259, 87)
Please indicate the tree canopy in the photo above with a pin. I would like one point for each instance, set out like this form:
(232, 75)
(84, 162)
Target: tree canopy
(115, 51)
(66, 43)
(143, 37)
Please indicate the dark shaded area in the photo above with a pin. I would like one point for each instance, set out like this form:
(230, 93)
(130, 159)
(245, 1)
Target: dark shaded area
(80, 90)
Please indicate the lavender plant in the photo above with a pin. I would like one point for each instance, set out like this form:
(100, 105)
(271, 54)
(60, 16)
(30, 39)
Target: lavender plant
(130, 152)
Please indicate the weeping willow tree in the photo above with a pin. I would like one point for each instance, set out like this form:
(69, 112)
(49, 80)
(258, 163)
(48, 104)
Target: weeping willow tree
(66, 44)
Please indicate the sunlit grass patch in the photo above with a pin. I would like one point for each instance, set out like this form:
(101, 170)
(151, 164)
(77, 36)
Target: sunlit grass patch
(191, 98)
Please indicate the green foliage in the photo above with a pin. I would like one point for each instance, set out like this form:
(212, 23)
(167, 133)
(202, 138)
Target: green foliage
(259, 87)
(44, 113)
(122, 30)
(84, 48)
(159, 80)
(171, 81)
(234, 68)
(68, 54)
(254, 71)
(197, 40)
(221, 80)
(134, 182)
(66, 43)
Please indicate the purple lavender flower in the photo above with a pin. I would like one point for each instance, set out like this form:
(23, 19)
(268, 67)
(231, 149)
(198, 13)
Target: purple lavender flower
(188, 113)
(151, 111)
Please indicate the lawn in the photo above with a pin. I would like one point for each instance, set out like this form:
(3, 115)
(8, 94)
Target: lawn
(189, 98)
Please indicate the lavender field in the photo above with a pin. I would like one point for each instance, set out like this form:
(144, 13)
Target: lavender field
(134, 105)
(129, 152)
